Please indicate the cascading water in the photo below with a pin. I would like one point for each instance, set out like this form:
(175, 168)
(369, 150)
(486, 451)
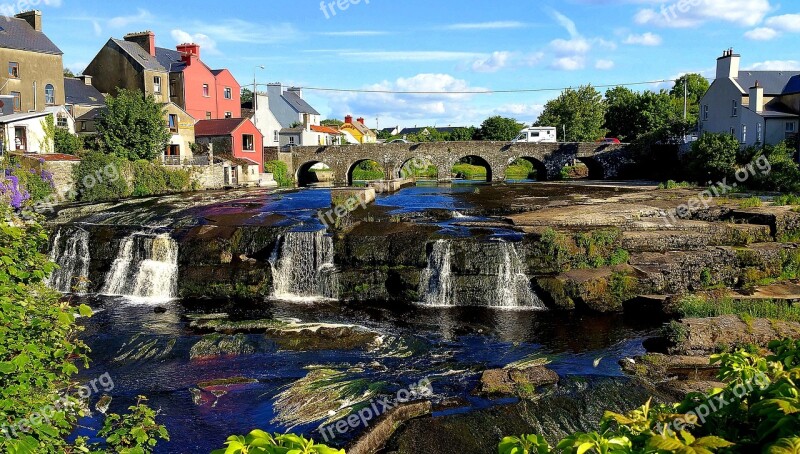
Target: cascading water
(303, 267)
(502, 284)
(435, 282)
(146, 267)
(70, 252)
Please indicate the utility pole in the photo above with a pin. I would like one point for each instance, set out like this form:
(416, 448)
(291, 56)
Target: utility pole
(255, 91)
(685, 104)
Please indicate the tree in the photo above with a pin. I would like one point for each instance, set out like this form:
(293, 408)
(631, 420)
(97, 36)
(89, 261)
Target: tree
(622, 113)
(713, 157)
(247, 95)
(331, 122)
(68, 73)
(67, 143)
(581, 112)
(133, 126)
(463, 134)
(697, 87)
(499, 128)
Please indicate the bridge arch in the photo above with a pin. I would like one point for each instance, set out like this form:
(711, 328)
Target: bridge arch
(596, 169)
(304, 176)
(351, 170)
(538, 166)
(474, 160)
(418, 167)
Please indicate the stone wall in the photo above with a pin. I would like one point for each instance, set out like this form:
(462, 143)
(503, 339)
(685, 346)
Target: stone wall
(63, 175)
(604, 160)
(209, 177)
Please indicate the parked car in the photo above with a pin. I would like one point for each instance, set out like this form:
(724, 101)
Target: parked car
(537, 135)
(609, 140)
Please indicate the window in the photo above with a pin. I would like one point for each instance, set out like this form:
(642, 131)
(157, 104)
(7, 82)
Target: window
(790, 126)
(157, 84)
(208, 115)
(735, 108)
(247, 142)
(275, 136)
(759, 133)
(62, 121)
(83, 126)
(705, 112)
(291, 140)
(733, 132)
(228, 93)
(205, 90)
(13, 70)
(744, 133)
(173, 88)
(173, 123)
(228, 115)
(49, 95)
(17, 101)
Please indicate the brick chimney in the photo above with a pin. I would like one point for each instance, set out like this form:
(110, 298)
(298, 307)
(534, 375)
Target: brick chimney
(348, 119)
(361, 120)
(145, 39)
(188, 52)
(34, 18)
(757, 98)
(728, 65)
(87, 80)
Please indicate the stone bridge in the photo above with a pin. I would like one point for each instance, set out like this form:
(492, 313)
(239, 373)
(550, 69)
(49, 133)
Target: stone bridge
(605, 161)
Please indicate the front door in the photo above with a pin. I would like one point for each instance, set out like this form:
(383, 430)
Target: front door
(20, 138)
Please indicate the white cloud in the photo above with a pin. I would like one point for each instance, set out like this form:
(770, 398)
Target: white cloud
(493, 63)
(570, 54)
(646, 39)
(486, 25)
(775, 65)
(124, 21)
(761, 34)
(206, 43)
(240, 31)
(789, 23)
(573, 63)
(571, 47)
(683, 14)
(604, 65)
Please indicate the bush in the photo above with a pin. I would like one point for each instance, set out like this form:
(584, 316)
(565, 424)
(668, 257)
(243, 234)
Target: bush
(32, 185)
(786, 199)
(752, 202)
(784, 174)
(280, 172)
(672, 184)
(259, 441)
(755, 412)
(713, 157)
(148, 179)
(178, 180)
(101, 176)
(67, 143)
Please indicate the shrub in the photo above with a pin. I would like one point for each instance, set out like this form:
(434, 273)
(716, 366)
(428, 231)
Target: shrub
(786, 199)
(178, 180)
(695, 306)
(66, 143)
(672, 184)
(713, 157)
(280, 171)
(101, 176)
(259, 441)
(752, 202)
(148, 179)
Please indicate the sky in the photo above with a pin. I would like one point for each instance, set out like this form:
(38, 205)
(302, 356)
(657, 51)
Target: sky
(441, 45)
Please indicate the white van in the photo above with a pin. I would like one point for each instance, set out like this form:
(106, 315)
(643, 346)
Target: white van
(537, 135)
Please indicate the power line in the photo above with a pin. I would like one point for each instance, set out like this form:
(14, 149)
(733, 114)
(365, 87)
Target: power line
(477, 92)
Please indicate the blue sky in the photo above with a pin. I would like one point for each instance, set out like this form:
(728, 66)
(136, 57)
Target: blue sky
(443, 45)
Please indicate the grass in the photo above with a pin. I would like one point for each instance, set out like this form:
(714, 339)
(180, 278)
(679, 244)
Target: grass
(786, 200)
(694, 306)
(469, 171)
(752, 202)
(672, 184)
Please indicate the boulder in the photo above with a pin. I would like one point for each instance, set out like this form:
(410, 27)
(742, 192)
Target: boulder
(510, 381)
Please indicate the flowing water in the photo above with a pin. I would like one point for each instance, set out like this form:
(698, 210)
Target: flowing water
(303, 268)
(146, 268)
(436, 283)
(70, 251)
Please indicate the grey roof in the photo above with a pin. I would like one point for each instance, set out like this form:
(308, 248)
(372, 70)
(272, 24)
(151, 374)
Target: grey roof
(93, 114)
(170, 59)
(78, 92)
(18, 34)
(5, 119)
(292, 131)
(774, 82)
(298, 103)
(139, 55)
(793, 86)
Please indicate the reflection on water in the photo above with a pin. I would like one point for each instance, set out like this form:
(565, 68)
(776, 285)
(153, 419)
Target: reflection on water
(148, 353)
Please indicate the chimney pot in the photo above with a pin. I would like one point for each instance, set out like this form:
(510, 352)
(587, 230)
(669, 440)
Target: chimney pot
(34, 18)
(348, 119)
(361, 120)
(145, 39)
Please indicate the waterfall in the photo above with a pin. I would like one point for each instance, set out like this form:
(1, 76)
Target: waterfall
(303, 267)
(500, 283)
(146, 267)
(435, 282)
(70, 251)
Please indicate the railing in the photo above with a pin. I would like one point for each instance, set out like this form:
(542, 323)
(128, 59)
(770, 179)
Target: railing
(201, 160)
(172, 160)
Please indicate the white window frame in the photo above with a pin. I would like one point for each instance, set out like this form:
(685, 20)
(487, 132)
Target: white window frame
(157, 84)
(759, 133)
(50, 98)
(744, 133)
(228, 93)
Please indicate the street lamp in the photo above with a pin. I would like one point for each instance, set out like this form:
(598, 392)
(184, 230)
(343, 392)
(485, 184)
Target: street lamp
(255, 91)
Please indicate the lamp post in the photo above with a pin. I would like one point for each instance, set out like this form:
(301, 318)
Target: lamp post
(255, 90)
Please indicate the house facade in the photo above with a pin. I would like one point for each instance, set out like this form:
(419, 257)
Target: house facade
(358, 130)
(35, 71)
(757, 107)
(182, 135)
(236, 137)
(26, 132)
(84, 102)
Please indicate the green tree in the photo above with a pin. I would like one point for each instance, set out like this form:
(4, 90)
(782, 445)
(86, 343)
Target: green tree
(697, 86)
(66, 142)
(622, 113)
(581, 112)
(500, 129)
(68, 73)
(331, 122)
(463, 134)
(713, 157)
(133, 127)
(247, 95)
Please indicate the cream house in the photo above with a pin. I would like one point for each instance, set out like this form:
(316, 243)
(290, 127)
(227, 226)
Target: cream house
(758, 107)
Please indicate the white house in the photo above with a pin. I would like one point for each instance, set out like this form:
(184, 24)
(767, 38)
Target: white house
(24, 132)
(285, 118)
(757, 107)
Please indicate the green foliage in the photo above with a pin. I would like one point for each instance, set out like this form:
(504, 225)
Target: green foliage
(280, 171)
(468, 171)
(784, 174)
(135, 432)
(751, 202)
(100, 176)
(786, 200)
(37, 183)
(521, 169)
(594, 249)
(49, 130)
(331, 122)
(631, 115)
(697, 306)
(758, 410)
(463, 134)
(697, 86)
(581, 111)
(713, 157)
(671, 184)
(499, 128)
(133, 126)
(67, 143)
(367, 171)
(147, 179)
(246, 95)
(260, 442)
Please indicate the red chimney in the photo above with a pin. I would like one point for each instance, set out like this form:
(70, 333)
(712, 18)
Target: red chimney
(189, 51)
(348, 119)
(361, 120)
(145, 39)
